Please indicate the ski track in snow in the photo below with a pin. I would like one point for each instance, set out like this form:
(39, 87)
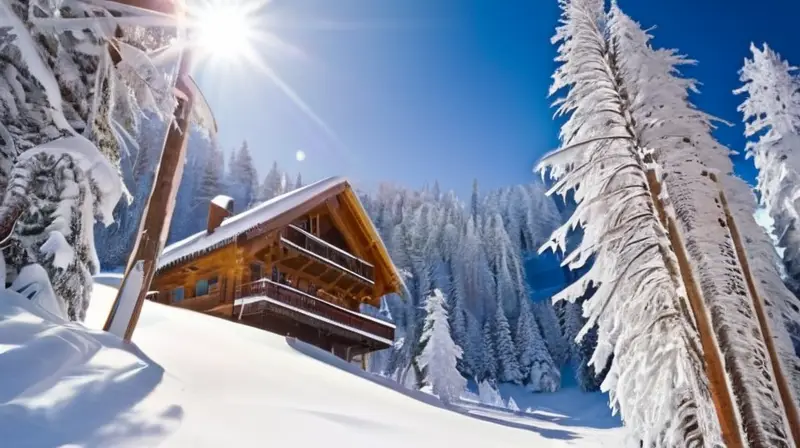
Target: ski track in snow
(198, 381)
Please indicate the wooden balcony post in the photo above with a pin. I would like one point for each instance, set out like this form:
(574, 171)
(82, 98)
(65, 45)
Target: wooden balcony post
(230, 286)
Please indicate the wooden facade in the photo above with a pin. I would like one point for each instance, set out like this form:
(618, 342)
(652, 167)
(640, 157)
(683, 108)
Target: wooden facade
(300, 265)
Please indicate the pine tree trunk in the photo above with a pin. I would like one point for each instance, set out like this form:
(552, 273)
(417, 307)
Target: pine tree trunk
(724, 305)
(713, 366)
(782, 384)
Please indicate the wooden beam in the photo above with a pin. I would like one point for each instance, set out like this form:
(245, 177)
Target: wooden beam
(344, 228)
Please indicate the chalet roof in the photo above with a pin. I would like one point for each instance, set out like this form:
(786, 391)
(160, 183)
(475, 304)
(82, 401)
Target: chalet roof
(227, 232)
(203, 242)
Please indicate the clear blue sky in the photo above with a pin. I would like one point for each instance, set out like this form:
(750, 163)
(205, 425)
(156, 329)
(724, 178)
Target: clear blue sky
(419, 90)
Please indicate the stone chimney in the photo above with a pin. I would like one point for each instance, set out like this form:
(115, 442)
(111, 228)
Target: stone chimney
(221, 207)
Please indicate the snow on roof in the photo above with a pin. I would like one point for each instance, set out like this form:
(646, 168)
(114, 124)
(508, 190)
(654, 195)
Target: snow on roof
(234, 226)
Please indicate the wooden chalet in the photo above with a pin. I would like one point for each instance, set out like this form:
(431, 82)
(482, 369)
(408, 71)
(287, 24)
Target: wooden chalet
(300, 264)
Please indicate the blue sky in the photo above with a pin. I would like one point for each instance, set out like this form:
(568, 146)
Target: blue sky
(411, 91)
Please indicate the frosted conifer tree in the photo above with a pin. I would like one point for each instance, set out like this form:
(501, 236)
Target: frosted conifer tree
(546, 318)
(772, 114)
(298, 182)
(489, 366)
(489, 395)
(244, 176)
(210, 184)
(603, 165)
(695, 169)
(440, 354)
(66, 107)
(272, 185)
(536, 365)
(507, 365)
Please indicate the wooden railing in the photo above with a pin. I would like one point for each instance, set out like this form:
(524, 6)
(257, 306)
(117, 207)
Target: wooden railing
(306, 302)
(329, 252)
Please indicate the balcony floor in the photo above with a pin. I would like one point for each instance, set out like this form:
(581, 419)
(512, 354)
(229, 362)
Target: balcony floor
(272, 305)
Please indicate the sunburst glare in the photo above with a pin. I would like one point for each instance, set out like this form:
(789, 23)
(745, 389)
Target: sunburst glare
(225, 30)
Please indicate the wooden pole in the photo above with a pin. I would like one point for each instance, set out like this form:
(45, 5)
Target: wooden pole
(791, 412)
(157, 216)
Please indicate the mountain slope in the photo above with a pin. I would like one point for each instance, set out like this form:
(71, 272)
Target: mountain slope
(194, 380)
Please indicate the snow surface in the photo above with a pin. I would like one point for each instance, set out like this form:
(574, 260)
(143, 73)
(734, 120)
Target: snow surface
(198, 381)
(241, 223)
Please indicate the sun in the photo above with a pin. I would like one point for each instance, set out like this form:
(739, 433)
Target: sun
(223, 29)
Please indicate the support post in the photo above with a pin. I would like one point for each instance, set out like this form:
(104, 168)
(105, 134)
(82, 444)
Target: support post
(158, 212)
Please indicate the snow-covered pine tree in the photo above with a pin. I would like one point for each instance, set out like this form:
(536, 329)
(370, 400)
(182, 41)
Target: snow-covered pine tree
(440, 354)
(474, 273)
(508, 369)
(772, 114)
(489, 395)
(298, 181)
(138, 165)
(272, 185)
(210, 184)
(244, 191)
(474, 200)
(782, 307)
(663, 120)
(536, 365)
(512, 405)
(546, 318)
(58, 83)
(601, 162)
(488, 370)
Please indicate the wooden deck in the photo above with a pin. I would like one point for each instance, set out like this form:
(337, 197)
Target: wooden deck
(267, 296)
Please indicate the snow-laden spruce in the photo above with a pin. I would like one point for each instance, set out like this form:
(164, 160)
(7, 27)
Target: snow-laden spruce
(781, 305)
(691, 161)
(771, 111)
(656, 379)
(440, 354)
(536, 364)
(59, 82)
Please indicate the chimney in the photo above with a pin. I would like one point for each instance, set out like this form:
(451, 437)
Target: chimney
(221, 207)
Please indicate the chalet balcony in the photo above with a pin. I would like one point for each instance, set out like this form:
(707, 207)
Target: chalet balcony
(298, 240)
(267, 296)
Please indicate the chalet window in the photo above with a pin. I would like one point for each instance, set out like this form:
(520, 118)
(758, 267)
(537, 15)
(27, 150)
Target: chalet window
(313, 225)
(275, 274)
(177, 294)
(201, 288)
(213, 284)
(312, 289)
(256, 271)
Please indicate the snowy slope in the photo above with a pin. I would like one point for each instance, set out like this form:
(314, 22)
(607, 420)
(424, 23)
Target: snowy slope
(197, 381)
